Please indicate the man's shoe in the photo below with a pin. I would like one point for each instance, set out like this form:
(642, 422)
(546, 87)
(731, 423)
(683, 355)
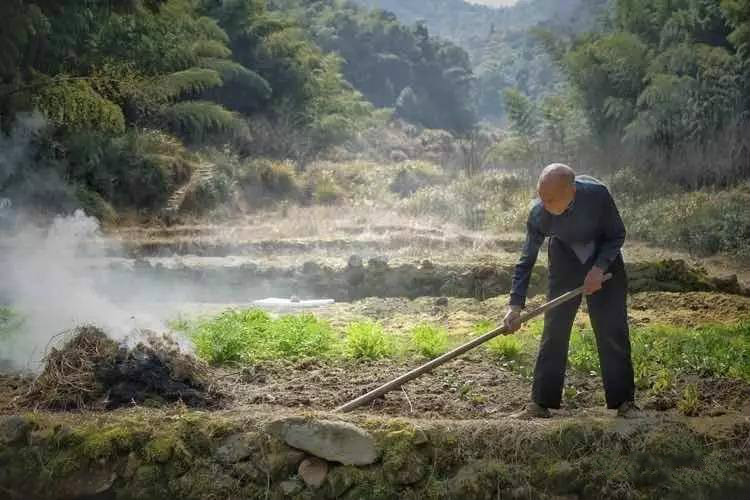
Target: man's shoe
(532, 410)
(629, 410)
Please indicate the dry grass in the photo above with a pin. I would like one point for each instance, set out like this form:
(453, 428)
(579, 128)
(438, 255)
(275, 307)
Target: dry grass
(69, 377)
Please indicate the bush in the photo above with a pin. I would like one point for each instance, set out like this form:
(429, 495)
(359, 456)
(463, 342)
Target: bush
(703, 222)
(208, 193)
(488, 200)
(262, 181)
(94, 205)
(139, 170)
(506, 347)
(582, 353)
(326, 191)
(251, 334)
(231, 335)
(297, 336)
(414, 176)
(367, 340)
(429, 341)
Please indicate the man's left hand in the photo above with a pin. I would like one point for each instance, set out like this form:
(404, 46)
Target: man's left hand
(593, 281)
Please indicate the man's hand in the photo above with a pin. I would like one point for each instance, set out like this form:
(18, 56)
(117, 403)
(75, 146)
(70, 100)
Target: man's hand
(593, 281)
(511, 321)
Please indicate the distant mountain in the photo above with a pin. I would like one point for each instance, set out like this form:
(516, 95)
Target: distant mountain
(504, 52)
(458, 20)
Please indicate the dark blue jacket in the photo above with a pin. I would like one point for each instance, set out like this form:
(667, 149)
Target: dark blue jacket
(591, 226)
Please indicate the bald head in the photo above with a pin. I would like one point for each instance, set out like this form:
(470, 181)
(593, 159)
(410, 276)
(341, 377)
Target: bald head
(556, 187)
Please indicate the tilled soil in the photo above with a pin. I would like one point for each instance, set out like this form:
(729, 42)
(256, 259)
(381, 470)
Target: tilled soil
(474, 387)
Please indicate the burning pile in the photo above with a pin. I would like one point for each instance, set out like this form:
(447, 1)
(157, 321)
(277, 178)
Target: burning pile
(92, 371)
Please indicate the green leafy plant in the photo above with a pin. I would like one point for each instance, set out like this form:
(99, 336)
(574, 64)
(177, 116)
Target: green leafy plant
(429, 341)
(367, 340)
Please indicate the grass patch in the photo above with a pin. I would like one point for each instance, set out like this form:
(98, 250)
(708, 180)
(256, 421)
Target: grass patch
(660, 353)
(231, 335)
(367, 340)
(241, 335)
(429, 341)
(707, 351)
(506, 347)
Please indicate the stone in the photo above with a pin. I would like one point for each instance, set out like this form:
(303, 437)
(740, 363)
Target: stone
(247, 470)
(334, 441)
(291, 486)
(442, 301)
(313, 471)
(412, 470)
(13, 429)
(237, 447)
(86, 482)
(131, 465)
(341, 479)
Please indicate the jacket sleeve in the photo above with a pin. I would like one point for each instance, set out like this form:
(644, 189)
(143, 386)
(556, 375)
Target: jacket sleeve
(613, 231)
(522, 273)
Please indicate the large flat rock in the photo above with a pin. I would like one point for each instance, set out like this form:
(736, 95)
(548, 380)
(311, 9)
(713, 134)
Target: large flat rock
(328, 439)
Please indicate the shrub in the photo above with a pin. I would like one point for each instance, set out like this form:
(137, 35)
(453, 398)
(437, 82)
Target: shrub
(251, 334)
(702, 222)
(296, 336)
(582, 353)
(507, 347)
(367, 340)
(262, 181)
(429, 341)
(414, 176)
(231, 335)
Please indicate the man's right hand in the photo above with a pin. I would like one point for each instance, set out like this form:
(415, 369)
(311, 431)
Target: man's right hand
(512, 318)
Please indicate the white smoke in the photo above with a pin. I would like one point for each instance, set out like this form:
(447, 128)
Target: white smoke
(49, 279)
(54, 275)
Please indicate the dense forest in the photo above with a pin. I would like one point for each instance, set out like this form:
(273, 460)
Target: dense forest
(124, 101)
(126, 86)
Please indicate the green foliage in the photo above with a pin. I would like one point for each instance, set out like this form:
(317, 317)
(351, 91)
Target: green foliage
(521, 112)
(707, 351)
(229, 336)
(703, 222)
(506, 347)
(367, 340)
(669, 82)
(251, 334)
(427, 80)
(428, 340)
(690, 401)
(198, 120)
(137, 169)
(75, 105)
(582, 352)
(188, 82)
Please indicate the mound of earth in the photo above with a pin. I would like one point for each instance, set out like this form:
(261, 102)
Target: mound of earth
(92, 371)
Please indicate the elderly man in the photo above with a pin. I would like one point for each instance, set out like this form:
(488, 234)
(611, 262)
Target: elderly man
(586, 233)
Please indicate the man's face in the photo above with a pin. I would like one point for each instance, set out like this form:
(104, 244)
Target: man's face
(556, 196)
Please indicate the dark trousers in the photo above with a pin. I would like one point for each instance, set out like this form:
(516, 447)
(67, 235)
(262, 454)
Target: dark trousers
(608, 313)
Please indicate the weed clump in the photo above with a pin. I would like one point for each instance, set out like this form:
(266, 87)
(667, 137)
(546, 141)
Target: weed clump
(367, 340)
(429, 341)
(251, 334)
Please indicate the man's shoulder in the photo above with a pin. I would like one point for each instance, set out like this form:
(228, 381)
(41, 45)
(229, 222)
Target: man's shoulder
(588, 184)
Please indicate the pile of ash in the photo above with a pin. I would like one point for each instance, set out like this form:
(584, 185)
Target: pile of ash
(92, 371)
